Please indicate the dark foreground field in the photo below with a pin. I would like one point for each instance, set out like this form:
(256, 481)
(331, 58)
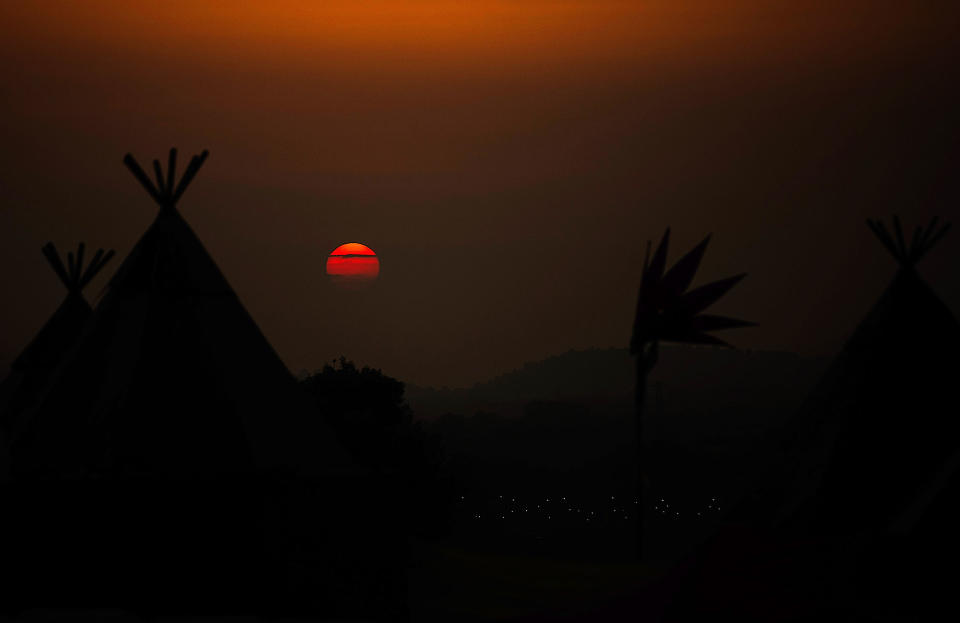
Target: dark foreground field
(448, 583)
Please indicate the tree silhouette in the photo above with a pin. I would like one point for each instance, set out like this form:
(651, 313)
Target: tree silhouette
(667, 312)
(368, 411)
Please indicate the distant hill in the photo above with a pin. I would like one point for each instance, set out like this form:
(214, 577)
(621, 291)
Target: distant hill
(569, 419)
(686, 377)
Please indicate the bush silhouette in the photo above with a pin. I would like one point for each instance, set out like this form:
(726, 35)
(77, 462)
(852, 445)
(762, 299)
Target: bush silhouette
(368, 411)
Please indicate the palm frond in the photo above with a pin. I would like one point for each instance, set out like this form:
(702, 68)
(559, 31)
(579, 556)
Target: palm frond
(680, 276)
(653, 275)
(666, 313)
(708, 322)
(697, 300)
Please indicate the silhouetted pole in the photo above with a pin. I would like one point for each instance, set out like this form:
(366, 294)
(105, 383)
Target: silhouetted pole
(644, 363)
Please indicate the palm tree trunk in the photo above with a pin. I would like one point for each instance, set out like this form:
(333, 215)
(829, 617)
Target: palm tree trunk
(646, 359)
(640, 393)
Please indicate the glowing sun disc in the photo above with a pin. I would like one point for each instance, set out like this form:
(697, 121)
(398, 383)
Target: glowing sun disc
(353, 262)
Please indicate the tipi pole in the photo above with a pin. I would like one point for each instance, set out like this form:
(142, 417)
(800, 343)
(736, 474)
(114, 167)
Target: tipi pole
(171, 170)
(141, 177)
(50, 252)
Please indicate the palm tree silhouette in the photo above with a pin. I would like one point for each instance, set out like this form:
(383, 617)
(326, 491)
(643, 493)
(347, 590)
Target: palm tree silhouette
(667, 312)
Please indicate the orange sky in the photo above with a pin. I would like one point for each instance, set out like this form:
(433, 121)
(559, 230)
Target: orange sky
(505, 159)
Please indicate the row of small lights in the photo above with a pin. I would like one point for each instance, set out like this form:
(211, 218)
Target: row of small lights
(570, 509)
(662, 507)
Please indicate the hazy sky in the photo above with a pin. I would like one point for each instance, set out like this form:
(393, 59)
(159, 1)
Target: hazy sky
(506, 160)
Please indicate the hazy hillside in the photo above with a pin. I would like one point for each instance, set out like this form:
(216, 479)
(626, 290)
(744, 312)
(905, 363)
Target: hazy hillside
(566, 422)
(685, 378)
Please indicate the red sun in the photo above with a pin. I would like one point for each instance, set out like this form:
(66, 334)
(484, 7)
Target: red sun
(353, 263)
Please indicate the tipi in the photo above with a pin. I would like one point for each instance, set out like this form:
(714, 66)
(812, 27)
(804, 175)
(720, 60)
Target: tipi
(34, 366)
(171, 376)
(878, 428)
(858, 503)
(172, 463)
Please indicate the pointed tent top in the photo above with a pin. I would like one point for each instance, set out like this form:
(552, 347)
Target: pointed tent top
(165, 192)
(74, 276)
(907, 255)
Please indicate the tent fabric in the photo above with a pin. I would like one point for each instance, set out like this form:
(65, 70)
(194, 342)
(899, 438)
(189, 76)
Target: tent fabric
(34, 366)
(877, 428)
(173, 377)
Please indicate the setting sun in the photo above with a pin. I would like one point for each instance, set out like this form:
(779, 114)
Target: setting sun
(353, 262)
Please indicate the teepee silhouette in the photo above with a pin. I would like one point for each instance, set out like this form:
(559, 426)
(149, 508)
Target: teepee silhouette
(33, 367)
(172, 376)
(173, 463)
(855, 510)
(878, 429)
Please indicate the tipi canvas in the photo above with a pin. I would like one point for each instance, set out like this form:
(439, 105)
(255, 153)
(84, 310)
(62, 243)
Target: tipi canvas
(171, 375)
(34, 366)
(879, 425)
(173, 465)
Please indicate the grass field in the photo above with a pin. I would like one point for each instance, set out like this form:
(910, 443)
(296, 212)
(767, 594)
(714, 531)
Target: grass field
(450, 583)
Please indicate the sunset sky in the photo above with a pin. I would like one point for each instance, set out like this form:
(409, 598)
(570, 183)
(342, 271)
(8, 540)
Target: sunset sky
(506, 160)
